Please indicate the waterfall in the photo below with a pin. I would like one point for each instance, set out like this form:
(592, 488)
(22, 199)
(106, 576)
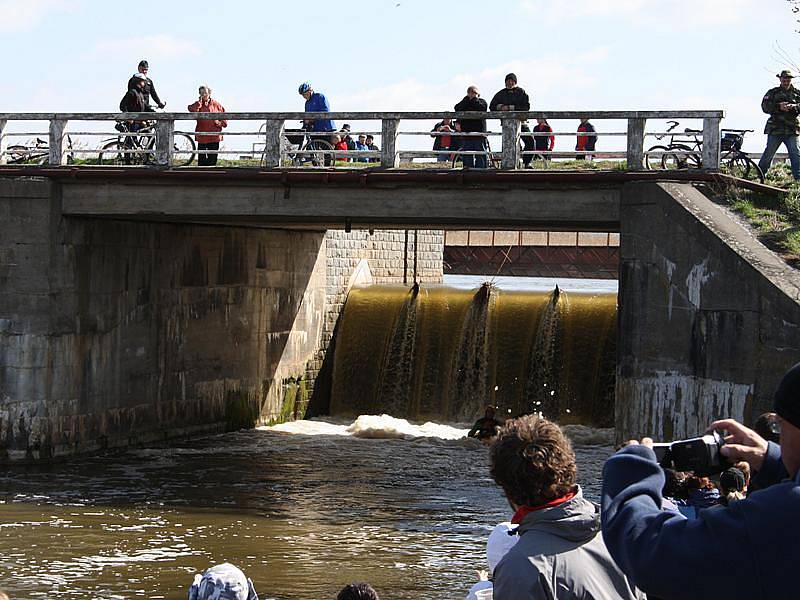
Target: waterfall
(441, 353)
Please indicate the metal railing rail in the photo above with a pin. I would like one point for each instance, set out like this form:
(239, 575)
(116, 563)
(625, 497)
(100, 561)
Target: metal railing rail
(274, 125)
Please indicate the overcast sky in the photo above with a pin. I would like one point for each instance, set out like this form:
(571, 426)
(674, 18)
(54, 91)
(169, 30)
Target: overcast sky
(77, 55)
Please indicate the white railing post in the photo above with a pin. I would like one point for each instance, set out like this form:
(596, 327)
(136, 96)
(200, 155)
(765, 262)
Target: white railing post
(165, 130)
(711, 143)
(389, 156)
(635, 156)
(3, 142)
(56, 142)
(273, 134)
(511, 129)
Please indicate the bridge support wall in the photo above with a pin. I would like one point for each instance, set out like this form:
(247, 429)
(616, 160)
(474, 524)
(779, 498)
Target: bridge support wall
(709, 319)
(118, 332)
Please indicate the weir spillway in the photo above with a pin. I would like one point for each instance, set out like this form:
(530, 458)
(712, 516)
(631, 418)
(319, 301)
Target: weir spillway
(442, 353)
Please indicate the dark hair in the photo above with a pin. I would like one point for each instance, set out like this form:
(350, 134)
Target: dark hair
(357, 591)
(674, 484)
(695, 482)
(731, 480)
(767, 427)
(532, 460)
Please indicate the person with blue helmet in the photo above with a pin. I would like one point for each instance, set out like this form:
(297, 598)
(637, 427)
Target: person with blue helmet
(316, 102)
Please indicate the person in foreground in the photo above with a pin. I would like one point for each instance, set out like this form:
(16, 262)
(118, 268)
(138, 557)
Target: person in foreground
(222, 581)
(357, 591)
(560, 553)
(746, 550)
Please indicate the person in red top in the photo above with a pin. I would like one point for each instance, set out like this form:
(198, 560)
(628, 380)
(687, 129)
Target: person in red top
(587, 138)
(208, 142)
(541, 141)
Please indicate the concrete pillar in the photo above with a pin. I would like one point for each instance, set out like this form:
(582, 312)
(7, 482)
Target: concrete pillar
(711, 143)
(273, 133)
(511, 129)
(3, 142)
(57, 128)
(164, 142)
(389, 156)
(636, 144)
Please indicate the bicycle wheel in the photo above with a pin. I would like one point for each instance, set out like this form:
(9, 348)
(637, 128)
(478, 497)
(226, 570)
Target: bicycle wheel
(17, 154)
(112, 153)
(183, 150)
(738, 164)
(680, 157)
(327, 158)
(653, 157)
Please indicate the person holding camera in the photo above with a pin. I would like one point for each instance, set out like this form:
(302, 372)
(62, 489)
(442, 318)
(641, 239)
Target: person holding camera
(782, 104)
(473, 102)
(746, 550)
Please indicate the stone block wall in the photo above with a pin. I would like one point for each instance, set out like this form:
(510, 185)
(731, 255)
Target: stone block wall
(708, 317)
(117, 332)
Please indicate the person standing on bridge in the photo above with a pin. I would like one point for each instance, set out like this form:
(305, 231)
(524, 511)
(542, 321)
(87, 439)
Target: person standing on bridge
(473, 102)
(513, 97)
(206, 104)
(782, 104)
(316, 102)
(149, 88)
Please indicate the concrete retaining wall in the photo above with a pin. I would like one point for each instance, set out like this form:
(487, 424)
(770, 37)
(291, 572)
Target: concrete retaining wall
(119, 332)
(709, 319)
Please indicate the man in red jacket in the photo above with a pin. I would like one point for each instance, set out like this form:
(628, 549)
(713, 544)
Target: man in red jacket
(206, 104)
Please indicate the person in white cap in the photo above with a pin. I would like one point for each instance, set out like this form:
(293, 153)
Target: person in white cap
(501, 540)
(222, 582)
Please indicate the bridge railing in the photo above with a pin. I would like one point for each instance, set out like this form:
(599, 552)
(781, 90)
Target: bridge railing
(270, 134)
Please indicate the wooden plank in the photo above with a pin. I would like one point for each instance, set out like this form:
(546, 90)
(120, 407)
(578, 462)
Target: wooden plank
(370, 116)
(635, 154)
(56, 142)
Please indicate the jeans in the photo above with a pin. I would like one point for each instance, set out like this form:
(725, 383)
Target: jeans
(205, 159)
(773, 142)
(474, 160)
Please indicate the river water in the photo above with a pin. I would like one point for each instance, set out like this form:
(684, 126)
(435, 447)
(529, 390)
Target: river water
(303, 508)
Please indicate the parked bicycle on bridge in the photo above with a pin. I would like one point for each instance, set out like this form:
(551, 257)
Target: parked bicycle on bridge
(138, 148)
(685, 151)
(35, 153)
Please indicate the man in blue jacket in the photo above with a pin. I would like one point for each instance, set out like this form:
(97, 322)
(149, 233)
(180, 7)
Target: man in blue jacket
(316, 102)
(747, 550)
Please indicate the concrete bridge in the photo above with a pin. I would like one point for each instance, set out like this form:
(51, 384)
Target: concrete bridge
(140, 304)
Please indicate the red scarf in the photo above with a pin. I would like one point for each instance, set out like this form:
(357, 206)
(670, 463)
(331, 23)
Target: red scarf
(522, 511)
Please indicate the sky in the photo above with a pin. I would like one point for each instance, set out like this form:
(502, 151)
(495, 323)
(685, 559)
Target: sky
(77, 55)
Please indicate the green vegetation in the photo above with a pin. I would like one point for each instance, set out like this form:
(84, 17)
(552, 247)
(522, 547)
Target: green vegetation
(774, 218)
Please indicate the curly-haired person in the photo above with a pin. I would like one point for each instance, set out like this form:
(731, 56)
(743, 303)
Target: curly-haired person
(560, 553)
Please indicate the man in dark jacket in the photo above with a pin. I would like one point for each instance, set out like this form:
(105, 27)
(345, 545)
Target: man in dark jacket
(134, 101)
(149, 89)
(513, 97)
(747, 550)
(473, 102)
(782, 104)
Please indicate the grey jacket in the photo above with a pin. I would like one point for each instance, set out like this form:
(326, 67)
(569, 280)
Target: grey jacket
(561, 555)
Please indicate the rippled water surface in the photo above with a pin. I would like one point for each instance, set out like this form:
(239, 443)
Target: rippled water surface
(302, 508)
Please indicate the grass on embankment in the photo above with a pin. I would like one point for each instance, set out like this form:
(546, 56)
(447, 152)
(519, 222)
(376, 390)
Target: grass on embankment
(774, 219)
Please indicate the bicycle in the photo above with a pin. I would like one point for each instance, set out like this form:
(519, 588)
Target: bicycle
(738, 163)
(680, 153)
(140, 149)
(688, 153)
(296, 142)
(492, 159)
(38, 154)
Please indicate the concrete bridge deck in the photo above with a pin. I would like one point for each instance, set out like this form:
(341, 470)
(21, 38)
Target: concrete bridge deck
(336, 199)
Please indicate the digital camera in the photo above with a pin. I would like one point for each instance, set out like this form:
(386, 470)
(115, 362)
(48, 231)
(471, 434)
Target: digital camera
(700, 455)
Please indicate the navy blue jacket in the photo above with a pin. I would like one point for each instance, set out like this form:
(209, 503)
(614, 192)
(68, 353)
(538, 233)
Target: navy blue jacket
(747, 550)
(319, 103)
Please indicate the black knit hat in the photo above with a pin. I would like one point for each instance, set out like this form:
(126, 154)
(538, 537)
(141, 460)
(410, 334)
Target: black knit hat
(512, 77)
(787, 397)
(732, 480)
(143, 64)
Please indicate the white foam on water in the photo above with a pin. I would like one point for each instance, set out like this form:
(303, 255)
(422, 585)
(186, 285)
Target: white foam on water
(373, 427)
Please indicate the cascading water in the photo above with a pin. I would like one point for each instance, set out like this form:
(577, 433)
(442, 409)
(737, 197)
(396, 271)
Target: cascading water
(443, 353)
